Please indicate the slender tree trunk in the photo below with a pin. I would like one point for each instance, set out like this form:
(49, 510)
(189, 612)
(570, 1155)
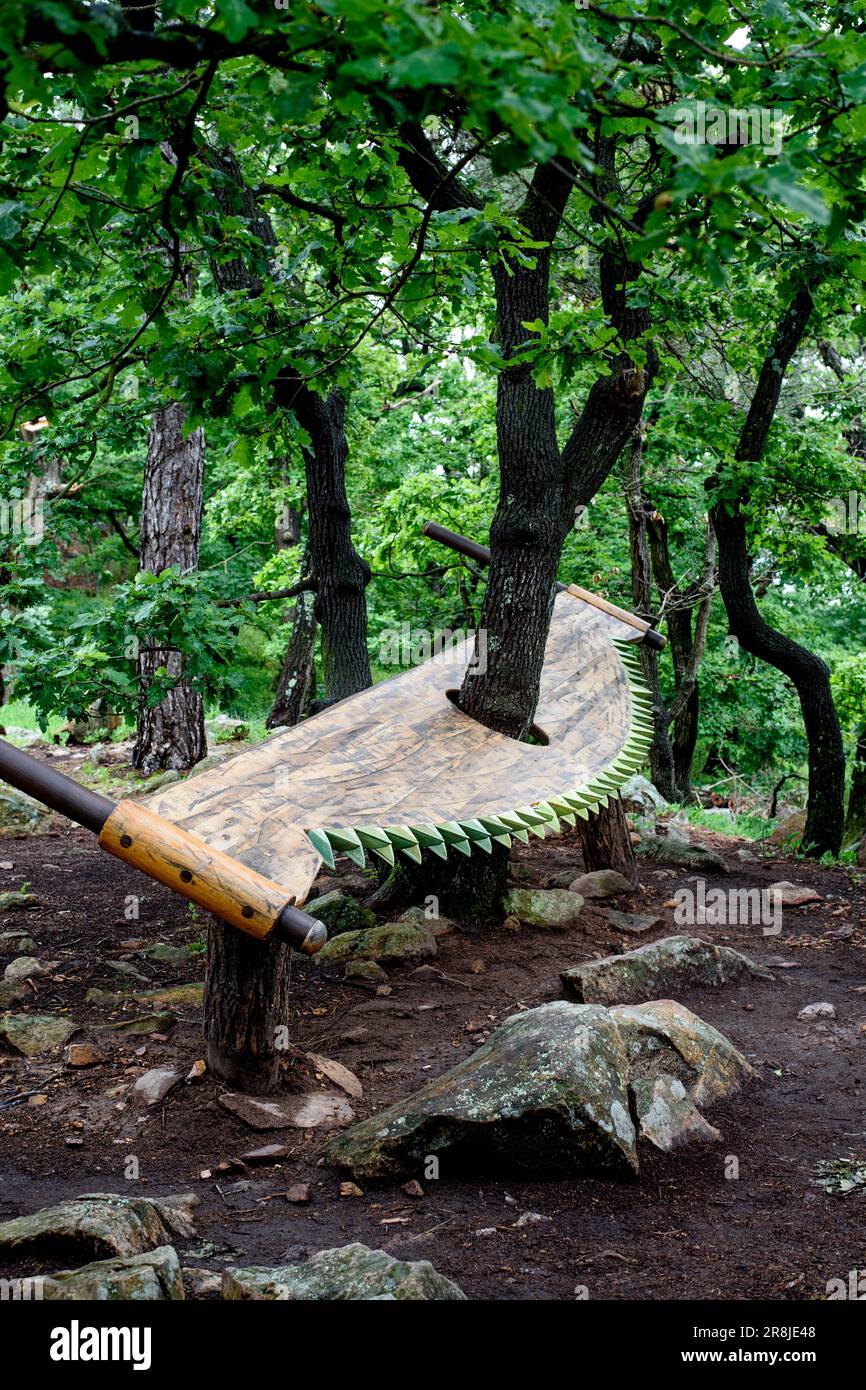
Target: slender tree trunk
(809, 674)
(296, 688)
(172, 733)
(855, 820)
(661, 753)
(340, 573)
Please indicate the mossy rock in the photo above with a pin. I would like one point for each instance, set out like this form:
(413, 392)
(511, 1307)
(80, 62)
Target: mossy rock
(340, 912)
(395, 942)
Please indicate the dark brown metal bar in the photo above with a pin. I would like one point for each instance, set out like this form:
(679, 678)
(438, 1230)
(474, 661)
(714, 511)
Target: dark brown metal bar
(53, 789)
(481, 555)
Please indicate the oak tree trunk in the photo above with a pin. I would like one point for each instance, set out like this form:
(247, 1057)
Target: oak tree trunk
(246, 1008)
(602, 841)
(171, 734)
(296, 687)
(809, 674)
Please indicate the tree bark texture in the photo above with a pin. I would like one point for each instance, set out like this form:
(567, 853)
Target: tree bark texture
(172, 733)
(809, 674)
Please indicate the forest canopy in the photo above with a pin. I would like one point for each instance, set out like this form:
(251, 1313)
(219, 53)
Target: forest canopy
(391, 263)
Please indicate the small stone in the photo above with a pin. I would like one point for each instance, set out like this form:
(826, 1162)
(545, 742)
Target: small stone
(383, 991)
(166, 954)
(298, 1194)
(315, 1110)
(544, 907)
(633, 923)
(368, 970)
(151, 1024)
(270, 1153)
(793, 894)
(152, 1276)
(32, 1034)
(437, 926)
(530, 1218)
(155, 1085)
(811, 1012)
(340, 913)
(666, 1113)
(511, 923)
(413, 1188)
(350, 1189)
(477, 967)
(24, 968)
(201, 1283)
(83, 1055)
(601, 883)
(658, 970)
(395, 942)
(17, 901)
(336, 1072)
(102, 1223)
(790, 830)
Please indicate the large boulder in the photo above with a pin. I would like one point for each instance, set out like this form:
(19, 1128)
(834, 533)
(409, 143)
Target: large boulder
(153, 1276)
(543, 907)
(658, 969)
(99, 1225)
(349, 1273)
(676, 849)
(663, 1038)
(547, 1091)
(395, 942)
(340, 912)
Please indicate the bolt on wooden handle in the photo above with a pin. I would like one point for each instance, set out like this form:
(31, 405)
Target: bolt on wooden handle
(213, 880)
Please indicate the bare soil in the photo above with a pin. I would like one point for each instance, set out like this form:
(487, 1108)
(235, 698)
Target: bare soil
(683, 1230)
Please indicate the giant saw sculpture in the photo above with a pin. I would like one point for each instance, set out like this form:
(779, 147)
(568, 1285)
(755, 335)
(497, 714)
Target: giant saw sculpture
(395, 770)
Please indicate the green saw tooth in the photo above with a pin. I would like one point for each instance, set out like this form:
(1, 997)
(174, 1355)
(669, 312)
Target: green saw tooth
(400, 835)
(504, 840)
(343, 838)
(453, 836)
(530, 816)
(385, 852)
(412, 851)
(322, 845)
(356, 855)
(494, 825)
(512, 821)
(371, 836)
(522, 835)
(548, 811)
(427, 835)
(473, 830)
(479, 841)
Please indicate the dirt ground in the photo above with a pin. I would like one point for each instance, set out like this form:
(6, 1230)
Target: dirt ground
(683, 1230)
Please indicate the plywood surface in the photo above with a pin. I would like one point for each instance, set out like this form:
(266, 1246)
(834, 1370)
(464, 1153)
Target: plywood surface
(401, 754)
